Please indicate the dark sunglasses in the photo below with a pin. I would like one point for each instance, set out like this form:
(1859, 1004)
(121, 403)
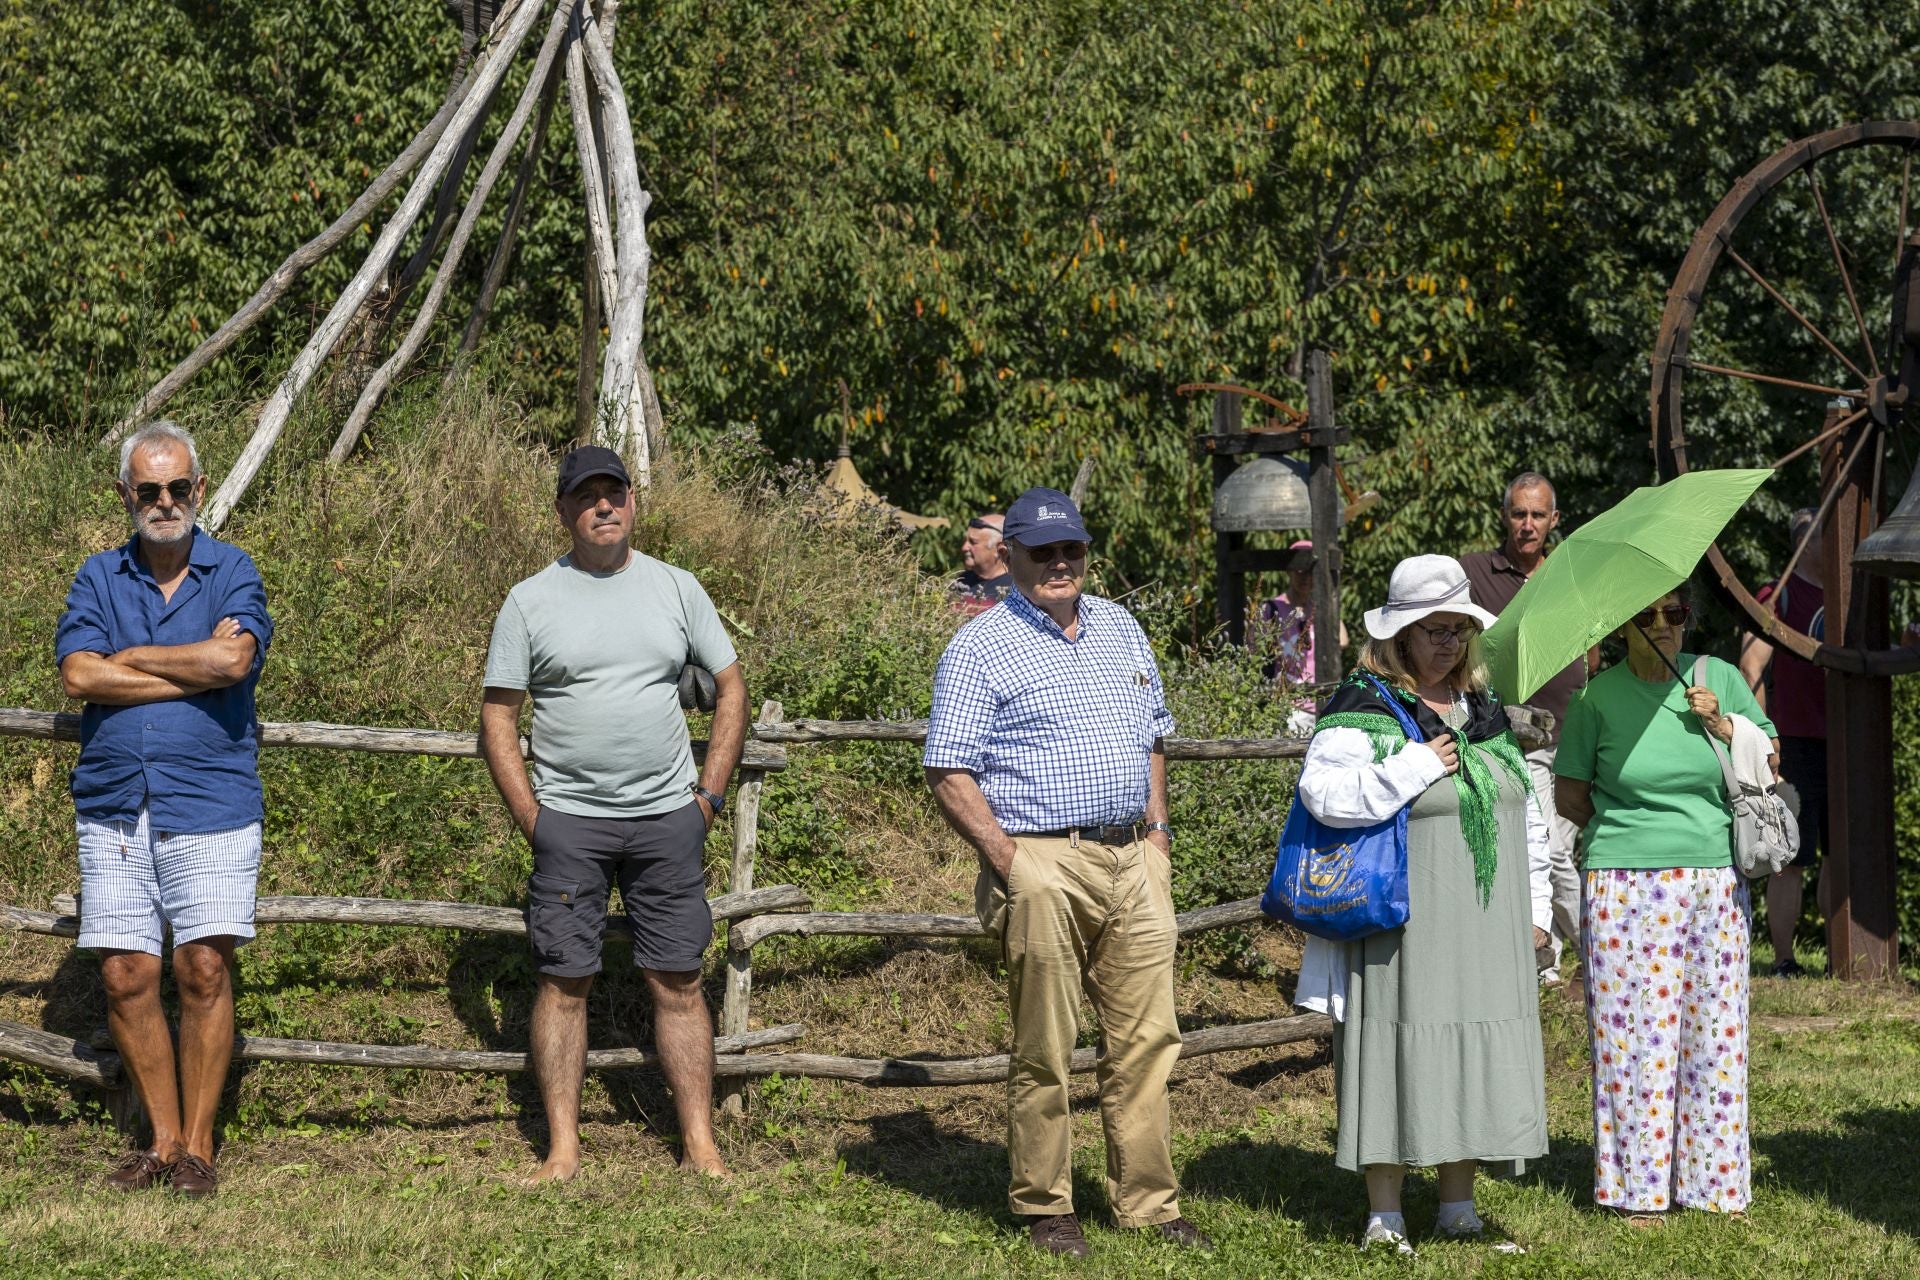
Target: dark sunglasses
(1676, 615)
(149, 493)
(1056, 551)
(980, 523)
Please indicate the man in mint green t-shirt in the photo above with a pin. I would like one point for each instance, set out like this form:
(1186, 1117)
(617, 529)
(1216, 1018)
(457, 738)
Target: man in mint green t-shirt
(598, 639)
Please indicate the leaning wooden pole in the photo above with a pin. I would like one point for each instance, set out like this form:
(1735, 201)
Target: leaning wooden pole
(509, 231)
(587, 124)
(621, 425)
(537, 95)
(488, 70)
(277, 284)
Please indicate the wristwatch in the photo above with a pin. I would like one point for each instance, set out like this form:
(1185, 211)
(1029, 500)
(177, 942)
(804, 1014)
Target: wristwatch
(714, 802)
(1162, 826)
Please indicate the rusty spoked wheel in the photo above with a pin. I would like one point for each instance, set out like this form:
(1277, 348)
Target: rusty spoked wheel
(1784, 344)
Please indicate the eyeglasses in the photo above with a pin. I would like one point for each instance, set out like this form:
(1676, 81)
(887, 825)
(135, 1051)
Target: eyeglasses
(981, 522)
(149, 493)
(1447, 637)
(1675, 614)
(1057, 551)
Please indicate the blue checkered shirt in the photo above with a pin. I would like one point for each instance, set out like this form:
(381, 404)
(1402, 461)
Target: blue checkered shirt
(1057, 732)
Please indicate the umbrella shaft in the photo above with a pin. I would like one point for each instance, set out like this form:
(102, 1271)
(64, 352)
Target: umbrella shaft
(1663, 657)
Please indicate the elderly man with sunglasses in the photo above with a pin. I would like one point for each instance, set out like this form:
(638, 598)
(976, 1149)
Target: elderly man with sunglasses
(163, 638)
(1044, 752)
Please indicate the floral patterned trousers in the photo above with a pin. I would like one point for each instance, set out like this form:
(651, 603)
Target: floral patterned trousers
(1667, 1003)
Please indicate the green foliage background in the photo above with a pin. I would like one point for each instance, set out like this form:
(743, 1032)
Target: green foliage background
(1013, 229)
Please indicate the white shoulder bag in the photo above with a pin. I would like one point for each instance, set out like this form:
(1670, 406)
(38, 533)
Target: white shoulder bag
(1766, 829)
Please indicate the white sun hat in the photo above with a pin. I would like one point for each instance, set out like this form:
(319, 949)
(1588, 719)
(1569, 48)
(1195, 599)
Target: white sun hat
(1422, 585)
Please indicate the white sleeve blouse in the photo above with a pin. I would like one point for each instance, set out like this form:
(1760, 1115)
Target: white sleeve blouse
(1344, 786)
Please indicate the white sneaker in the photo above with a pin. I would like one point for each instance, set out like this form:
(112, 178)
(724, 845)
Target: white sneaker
(1379, 1233)
(1550, 978)
(1474, 1229)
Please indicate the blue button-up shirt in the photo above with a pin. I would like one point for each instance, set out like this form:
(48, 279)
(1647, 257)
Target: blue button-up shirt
(190, 761)
(1057, 732)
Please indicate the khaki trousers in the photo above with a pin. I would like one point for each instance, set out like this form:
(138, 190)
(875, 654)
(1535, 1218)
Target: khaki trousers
(1075, 913)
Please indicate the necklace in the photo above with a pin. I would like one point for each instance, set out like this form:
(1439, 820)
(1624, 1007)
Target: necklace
(1455, 715)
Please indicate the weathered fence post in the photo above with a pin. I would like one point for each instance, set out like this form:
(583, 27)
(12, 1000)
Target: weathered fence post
(746, 834)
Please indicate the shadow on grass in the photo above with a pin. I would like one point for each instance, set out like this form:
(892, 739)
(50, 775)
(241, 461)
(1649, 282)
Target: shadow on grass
(491, 987)
(1330, 1203)
(951, 1168)
(1862, 1163)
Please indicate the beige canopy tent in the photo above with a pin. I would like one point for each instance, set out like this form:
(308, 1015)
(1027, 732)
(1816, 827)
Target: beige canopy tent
(847, 493)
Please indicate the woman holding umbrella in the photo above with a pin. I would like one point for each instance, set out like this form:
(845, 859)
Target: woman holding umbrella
(1437, 1059)
(1665, 922)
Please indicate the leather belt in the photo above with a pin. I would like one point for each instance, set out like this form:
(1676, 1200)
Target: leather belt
(1125, 833)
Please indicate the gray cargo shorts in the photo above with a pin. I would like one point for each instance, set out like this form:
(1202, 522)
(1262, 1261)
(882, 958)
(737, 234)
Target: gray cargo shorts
(657, 861)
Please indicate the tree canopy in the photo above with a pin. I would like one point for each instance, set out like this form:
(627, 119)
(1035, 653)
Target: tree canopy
(1012, 229)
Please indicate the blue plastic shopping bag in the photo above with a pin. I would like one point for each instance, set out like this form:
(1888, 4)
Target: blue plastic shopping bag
(1342, 883)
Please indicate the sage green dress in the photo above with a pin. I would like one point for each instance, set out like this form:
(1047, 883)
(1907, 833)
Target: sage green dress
(1438, 1058)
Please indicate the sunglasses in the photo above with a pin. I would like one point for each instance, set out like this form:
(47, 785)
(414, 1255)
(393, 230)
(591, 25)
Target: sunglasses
(978, 523)
(1056, 551)
(1675, 614)
(149, 493)
(1447, 637)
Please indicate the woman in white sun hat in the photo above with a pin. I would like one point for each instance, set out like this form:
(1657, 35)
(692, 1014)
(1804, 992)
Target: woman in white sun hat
(1437, 1058)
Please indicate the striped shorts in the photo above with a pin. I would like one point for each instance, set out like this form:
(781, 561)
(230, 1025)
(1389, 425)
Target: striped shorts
(136, 882)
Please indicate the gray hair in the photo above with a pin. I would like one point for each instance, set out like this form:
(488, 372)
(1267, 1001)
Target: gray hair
(1527, 480)
(159, 431)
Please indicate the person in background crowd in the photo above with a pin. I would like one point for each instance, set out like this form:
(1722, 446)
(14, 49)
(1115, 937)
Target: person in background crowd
(1291, 617)
(599, 638)
(1437, 1059)
(163, 638)
(1667, 927)
(1794, 693)
(1531, 513)
(1044, 752)
(985, 581)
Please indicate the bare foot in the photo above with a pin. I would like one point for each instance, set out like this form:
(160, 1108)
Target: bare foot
(706, 1162)
(553, 1169)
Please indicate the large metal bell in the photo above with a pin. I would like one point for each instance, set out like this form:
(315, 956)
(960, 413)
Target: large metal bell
(1264, 493)
(1893, 550)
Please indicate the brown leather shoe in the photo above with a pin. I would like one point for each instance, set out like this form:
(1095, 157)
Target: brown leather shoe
(1183, 1233)
(192, 1177)
(136, 1171)
(1059, 1233)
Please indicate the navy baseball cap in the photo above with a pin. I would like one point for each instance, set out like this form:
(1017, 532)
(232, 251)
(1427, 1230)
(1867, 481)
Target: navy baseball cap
(1040, 517)
(586, 462)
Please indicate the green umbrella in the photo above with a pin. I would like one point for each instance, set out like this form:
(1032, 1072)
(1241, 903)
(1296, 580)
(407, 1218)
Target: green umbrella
(1606, 571)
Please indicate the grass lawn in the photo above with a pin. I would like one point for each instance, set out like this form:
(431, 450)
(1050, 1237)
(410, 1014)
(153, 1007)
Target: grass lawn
(839, 1181)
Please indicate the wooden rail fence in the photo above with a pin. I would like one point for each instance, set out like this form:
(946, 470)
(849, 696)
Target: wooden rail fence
(756, 915)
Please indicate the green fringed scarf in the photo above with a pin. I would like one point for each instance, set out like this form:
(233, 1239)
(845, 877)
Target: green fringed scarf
(1488, 742)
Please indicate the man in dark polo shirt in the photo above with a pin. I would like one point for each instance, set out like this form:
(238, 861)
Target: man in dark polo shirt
(1495, 578)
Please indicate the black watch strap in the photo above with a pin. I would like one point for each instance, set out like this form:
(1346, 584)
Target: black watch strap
(714, 802)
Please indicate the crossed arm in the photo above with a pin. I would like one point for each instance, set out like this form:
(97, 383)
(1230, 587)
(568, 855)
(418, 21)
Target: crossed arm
(157, 672)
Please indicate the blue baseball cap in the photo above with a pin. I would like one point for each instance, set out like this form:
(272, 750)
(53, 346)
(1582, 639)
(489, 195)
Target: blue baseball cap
(1040, 517)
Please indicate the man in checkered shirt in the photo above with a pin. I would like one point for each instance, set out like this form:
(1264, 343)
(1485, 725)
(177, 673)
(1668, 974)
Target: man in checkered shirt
(1044, 751)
